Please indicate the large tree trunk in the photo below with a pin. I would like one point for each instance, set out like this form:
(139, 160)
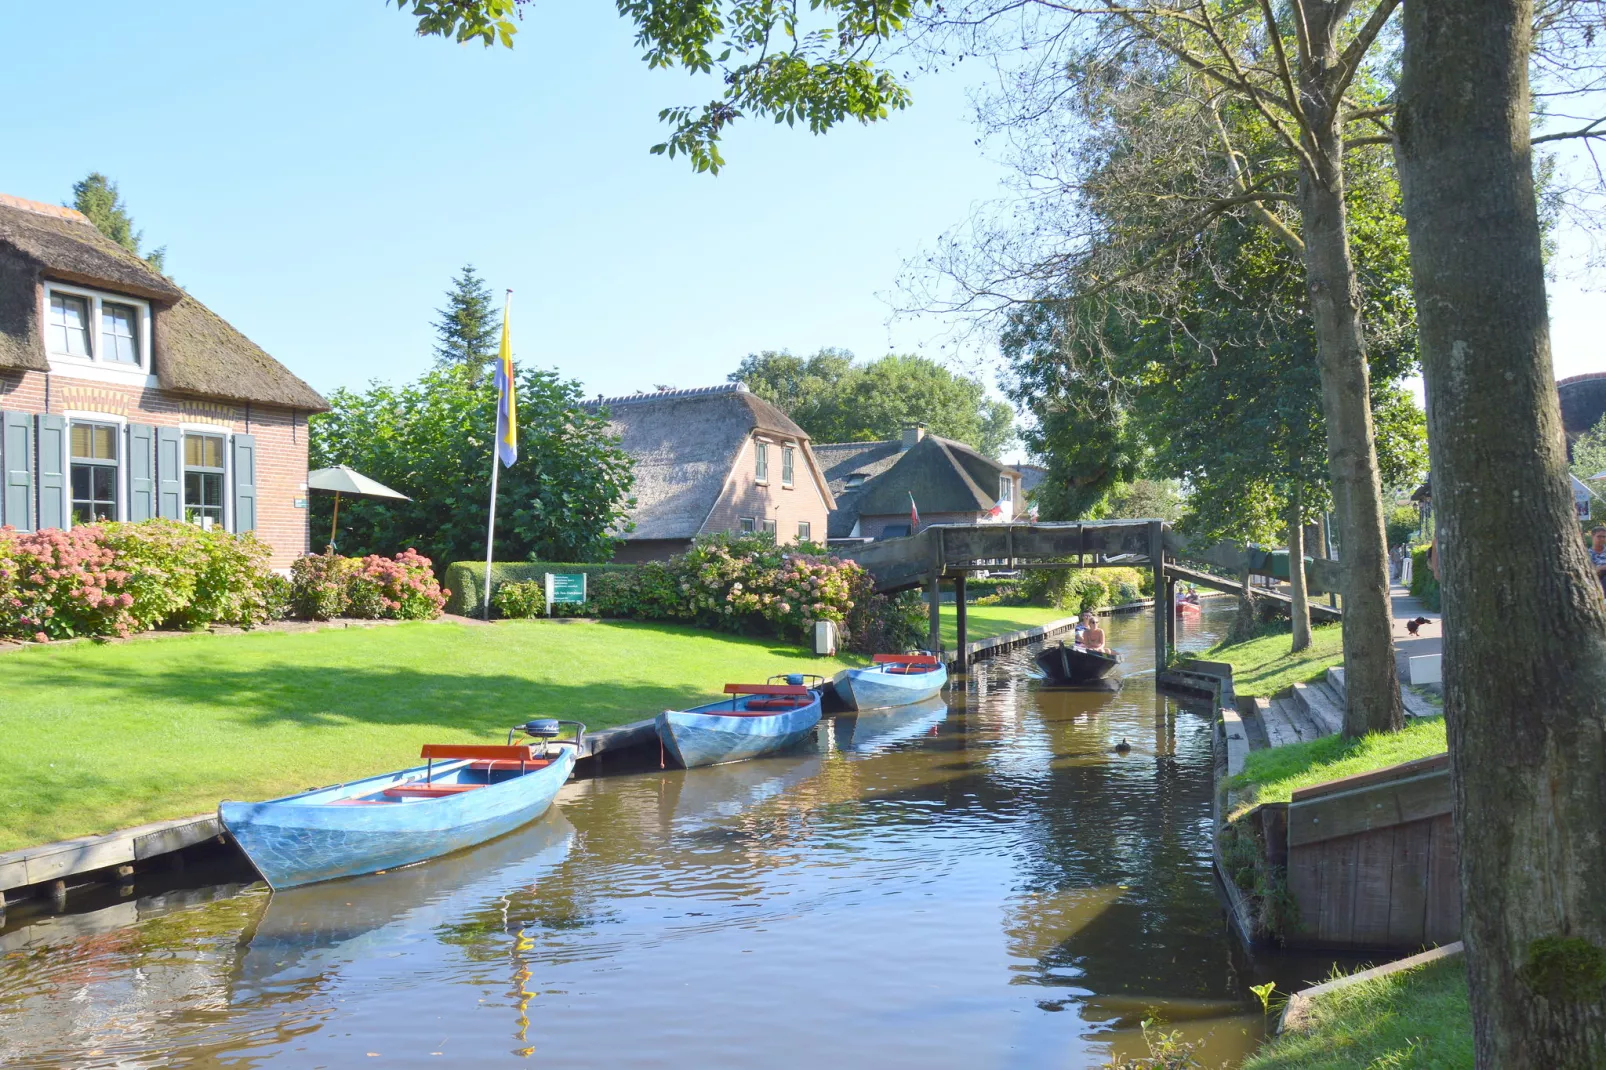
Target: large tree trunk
(1299, 610)
(1524, 627)
(1371, 685)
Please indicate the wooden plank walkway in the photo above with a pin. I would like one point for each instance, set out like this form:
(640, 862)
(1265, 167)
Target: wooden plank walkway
(70, 860)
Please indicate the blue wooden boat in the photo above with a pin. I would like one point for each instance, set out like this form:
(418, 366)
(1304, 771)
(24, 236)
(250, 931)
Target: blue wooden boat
(756, 719)
(461, 796)
(893, 680)
(875, 731)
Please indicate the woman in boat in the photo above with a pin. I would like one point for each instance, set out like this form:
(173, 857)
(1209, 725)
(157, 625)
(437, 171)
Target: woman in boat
(1091, 635)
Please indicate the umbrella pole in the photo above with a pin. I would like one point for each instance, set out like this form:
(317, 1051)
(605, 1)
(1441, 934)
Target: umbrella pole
(334, 521)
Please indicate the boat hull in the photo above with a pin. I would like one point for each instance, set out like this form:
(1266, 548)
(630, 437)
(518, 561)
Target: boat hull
(1072, 666)
(872, 689)
(696, 738)
(303, 839)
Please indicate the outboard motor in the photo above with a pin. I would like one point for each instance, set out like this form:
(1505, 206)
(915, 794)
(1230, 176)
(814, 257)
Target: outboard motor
(795, 679)
(545, 729)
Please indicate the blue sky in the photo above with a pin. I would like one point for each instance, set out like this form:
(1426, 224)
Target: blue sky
(318, 173)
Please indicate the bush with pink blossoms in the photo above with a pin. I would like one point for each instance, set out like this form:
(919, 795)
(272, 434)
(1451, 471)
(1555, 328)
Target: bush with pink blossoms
(58, 584)
(395, 588)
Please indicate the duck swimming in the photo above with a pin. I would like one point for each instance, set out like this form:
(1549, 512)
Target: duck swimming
(1123, 746)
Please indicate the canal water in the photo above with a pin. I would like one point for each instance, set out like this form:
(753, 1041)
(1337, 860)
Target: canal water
(983, 883)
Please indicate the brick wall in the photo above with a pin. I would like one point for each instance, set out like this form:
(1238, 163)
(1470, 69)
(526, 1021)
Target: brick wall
(281, 439)
(744, 495)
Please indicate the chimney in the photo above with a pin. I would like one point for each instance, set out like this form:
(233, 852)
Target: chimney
(912, 435)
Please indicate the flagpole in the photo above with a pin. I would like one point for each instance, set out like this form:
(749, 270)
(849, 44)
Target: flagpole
(496, 446)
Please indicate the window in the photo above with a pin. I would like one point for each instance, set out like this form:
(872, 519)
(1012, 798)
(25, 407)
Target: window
(769, 526)
(894, 531)
(68, 328)
(1006, 487)
(749, 524)
(119, 333)
(786, 465)
(203, 479)
(805, 531)
(856, 480)
(761, 462)
(94, 472)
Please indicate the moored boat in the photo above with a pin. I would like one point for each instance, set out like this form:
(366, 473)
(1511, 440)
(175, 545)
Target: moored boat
(461, 796)
(756, 719)
(893, 680)
(1076, 665)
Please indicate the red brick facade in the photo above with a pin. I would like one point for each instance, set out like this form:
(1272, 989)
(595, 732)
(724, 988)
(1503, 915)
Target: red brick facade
(787, 505)
(280, 437)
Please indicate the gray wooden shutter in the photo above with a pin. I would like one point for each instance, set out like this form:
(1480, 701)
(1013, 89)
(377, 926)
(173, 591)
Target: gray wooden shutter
(245, 483)
(16, 458)
(55, 507)
(169, 473)
(141, 471)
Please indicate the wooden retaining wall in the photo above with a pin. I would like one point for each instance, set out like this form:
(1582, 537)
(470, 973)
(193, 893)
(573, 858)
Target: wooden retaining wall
(1372, 859)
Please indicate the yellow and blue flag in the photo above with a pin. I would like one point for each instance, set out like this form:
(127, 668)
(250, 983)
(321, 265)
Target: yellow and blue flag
(507, 412)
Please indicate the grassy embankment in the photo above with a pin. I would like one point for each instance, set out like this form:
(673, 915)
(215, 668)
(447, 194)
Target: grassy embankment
(100, 737)
(1418, 1018)
(1263, 666)
(984, 622)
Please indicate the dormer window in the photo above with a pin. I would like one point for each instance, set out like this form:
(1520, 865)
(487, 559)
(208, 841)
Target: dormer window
(856, 480)
(84, 328)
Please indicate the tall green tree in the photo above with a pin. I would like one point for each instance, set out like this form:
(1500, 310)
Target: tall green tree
(467, 330)
(96, 196)
(431, 440)
(837, 400)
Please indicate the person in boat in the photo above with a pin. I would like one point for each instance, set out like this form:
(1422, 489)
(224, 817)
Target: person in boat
(1090, 635)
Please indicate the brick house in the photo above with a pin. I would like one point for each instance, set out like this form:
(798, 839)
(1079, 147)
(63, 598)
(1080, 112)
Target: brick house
(714, 459)
(124, 398)
(949, 482)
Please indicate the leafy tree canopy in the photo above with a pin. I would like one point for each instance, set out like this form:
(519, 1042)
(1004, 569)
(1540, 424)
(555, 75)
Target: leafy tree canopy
(837, 400)
(431, 440)
(96, 196)
(467, 332)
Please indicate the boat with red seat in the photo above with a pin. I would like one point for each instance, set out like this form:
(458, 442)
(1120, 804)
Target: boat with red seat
(463, 795)
(754, 719)
(891, 680)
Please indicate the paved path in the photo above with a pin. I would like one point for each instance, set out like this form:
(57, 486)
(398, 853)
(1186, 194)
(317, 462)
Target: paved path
(1429, 638)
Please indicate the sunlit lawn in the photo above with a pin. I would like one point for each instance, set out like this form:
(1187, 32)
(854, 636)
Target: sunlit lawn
(102, 737)
(1277, 772)
(984, 622)
(1263, 665)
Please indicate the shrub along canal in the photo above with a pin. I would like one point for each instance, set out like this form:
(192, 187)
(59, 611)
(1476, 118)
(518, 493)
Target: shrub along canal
(985, 883)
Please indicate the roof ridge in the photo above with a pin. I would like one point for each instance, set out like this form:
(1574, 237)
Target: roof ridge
(657, 395)
(72, 215)
(1581, 378)
(982, 497)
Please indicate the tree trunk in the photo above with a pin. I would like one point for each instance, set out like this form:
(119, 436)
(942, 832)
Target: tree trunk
(1299, 610)
(1371, 685)
(1247, 621)
(1524, 626)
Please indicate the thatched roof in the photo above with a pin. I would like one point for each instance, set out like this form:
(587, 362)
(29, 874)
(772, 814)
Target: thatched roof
(849, 468)
(194, 350)
(684, 444)
(944, 476)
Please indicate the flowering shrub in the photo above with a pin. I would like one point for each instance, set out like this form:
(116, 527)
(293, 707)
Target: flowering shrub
(520, 599)
(319, 586)
(323, 586)
(61, 584)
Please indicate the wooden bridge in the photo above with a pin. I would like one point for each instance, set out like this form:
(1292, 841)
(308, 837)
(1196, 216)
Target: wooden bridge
(953, 551)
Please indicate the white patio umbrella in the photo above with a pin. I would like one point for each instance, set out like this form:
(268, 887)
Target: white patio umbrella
(342, 480)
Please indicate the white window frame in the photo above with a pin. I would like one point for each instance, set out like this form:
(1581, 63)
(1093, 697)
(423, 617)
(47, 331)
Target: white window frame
(747, 525)
(761, 462)
(228, 466)
(788, 465)
(1006, 489)
(802, 535)
(92, 366)
(85, 416)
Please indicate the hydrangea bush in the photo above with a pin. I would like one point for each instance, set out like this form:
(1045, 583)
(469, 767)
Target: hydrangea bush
(323, 586)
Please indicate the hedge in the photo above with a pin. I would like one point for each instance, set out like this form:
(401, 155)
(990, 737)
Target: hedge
(1424, 584)
(466, 579)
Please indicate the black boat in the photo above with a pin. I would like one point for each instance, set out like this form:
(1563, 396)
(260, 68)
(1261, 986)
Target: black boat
(1076, 666)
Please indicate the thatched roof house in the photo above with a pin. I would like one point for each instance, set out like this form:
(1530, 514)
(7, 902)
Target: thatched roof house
(714, 459)
(948, 482)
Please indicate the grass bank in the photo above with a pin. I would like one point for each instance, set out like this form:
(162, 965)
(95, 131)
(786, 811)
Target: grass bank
(1417, 1018)
(100, 737)
(1263, 665)
(1273, 775)
(984, 622)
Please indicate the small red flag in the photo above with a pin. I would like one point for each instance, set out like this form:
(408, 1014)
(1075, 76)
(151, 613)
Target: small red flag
(914, 516)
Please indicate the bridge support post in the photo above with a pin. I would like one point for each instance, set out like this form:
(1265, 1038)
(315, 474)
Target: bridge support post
(960, 658)
(1171, 612)
(934, 593)
(1161, 611)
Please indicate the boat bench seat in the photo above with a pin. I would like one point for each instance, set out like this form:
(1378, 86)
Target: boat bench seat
(429, 791)
(499, 765)
(783, 702)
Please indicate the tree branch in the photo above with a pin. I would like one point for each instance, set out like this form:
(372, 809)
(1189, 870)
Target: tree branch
(1350, 60)
(1593, 130)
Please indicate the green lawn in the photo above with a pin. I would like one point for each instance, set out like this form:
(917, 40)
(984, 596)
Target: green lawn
(984, 622)
(1263, 665)
(1276, 773)
(100, 737)
(1416, 1018)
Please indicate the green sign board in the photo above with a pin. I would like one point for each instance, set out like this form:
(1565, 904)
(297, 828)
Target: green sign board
(564, 587)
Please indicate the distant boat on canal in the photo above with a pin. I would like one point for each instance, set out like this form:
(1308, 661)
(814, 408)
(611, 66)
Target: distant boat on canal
(1076, 665)
(893, 680)
(756, 719)
(463, 795)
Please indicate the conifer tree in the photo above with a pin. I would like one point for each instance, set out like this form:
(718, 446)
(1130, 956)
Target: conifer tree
(468, 330)
(97, 197)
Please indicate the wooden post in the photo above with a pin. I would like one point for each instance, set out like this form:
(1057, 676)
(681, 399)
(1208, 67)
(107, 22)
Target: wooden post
(934, 588)
(1170, 612)
(1157, 562)
(960, 661)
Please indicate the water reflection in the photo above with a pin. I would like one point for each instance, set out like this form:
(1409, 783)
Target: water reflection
(982, 883)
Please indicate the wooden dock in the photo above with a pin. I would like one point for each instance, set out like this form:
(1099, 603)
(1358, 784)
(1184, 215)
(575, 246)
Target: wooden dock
(52, 869)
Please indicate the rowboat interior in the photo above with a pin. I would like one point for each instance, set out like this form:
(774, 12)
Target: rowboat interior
(455, 768)
(906, 664)
(756, 700)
